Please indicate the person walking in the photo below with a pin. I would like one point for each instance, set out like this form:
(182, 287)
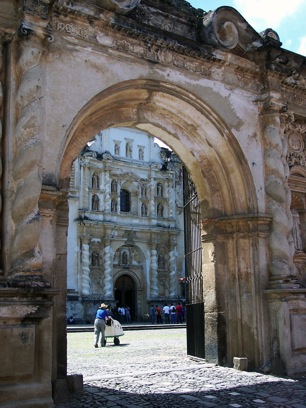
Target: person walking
(99, 325)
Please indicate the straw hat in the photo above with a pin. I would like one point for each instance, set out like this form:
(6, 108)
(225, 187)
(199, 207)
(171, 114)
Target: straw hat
(104, 306)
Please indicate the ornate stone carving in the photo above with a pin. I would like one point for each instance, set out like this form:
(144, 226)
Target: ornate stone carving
(71, 29)
(282, 268)
(37, 7)
(295, 133)
(296, 231)
(226, 28)
(118, 6)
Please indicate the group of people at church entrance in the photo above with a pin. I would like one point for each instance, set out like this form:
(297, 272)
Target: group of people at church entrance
(168, 314)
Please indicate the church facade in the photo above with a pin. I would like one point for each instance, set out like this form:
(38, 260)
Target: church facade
(126, 226)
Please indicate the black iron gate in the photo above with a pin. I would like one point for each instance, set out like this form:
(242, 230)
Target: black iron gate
(193, 268)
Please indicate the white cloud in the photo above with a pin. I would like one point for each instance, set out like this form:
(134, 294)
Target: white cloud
(262, 14)
(302, 47)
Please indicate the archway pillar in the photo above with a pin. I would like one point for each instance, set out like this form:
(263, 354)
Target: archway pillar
(234, 278)
(287, 347)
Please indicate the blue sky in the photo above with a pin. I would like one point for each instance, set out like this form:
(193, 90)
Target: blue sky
(286, 17)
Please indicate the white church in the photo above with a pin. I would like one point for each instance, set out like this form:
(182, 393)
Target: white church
(126, 225)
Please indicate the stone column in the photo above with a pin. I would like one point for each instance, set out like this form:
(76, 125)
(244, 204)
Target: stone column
(107, 201)
(23, 152)
(85, 197)
(278, 195)
(171, 197)
(285, 296)
(233, 258)
(27, 301)
(152, 198)
(173, 268)
(53, 207)
(108, 279)
(85, 262)
(153, 272)
(1, 121)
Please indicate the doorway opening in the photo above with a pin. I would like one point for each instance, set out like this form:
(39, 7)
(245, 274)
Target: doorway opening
(125, 294)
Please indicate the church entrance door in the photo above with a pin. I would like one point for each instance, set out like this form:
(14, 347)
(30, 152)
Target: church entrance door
(125, 293)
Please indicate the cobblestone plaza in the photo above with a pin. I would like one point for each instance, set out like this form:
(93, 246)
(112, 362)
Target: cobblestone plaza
(150, 368)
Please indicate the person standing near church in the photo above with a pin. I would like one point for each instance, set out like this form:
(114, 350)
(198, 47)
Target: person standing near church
(99, 325)
(158, 312)
(152, 314)
(166, 310)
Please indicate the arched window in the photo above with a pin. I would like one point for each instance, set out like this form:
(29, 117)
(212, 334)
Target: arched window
(95, 202)
(160, 210)
(160, 190)
(95, 181)
(128, 150)
(114, 206)
(144, 210)
(117, 149)
(125, 201)
(140, 153)
(114, 186)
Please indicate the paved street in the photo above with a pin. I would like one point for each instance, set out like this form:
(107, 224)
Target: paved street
(150, 369)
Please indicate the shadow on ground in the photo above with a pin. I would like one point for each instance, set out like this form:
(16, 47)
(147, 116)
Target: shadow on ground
(119, 393)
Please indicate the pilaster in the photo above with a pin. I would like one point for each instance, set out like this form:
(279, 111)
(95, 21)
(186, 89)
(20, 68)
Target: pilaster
(234, 278)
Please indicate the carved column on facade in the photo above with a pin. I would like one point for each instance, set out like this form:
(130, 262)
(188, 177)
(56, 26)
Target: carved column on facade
(24, 153)
(107, 201)
(284, 294)
(152, 198)
(173, 268)
(108, 280)
(86, 199)
(281, 266)
(153, 271)
(85, 270)
(171, 197)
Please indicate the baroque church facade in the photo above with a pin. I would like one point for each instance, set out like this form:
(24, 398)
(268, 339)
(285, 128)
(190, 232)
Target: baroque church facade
(126, 225)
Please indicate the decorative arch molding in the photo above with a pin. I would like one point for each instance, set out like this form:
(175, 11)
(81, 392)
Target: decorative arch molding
(190, 127)
(129, 272)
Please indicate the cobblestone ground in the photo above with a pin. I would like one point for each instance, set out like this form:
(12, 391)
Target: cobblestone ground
(150, 369)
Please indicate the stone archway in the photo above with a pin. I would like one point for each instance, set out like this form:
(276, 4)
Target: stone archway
(220, 101)
(188, 125)
(232, 229)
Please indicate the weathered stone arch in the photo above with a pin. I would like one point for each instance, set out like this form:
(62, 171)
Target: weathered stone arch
(188, 125)
(232, 228)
